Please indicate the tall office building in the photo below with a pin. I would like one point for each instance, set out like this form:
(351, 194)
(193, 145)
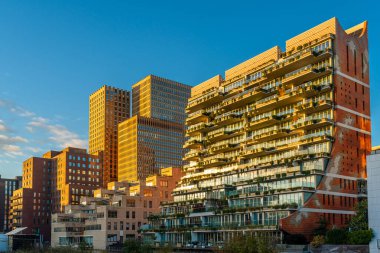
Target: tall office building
(161, 98)
(146, 145)
(279, 143)
(50, 182)
(7, 187)
(154, 136)
(108, 107)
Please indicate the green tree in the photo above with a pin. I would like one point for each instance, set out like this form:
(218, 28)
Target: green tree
(336, 236)
(360, 220)
(322, 227)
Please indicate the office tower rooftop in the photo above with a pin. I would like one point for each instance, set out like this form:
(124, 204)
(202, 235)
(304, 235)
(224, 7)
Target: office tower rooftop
(161, 98)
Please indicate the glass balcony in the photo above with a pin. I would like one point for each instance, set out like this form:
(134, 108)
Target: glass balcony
(196, 117)
(207, 99)
(223, 147)
(213, 162)
(304, 74)
(193, 143)
(312, 106)
(297, 60)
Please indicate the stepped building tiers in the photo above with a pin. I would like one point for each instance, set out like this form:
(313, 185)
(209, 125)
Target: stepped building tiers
(113, 214)
(278, 144)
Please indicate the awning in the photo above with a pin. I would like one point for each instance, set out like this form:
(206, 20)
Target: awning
(16, 231)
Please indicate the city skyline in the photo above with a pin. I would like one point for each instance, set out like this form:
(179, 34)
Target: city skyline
(41, 112)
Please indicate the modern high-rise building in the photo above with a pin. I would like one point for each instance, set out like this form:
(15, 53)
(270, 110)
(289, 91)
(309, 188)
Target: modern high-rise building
(7, 187)
(108, 107)
(153, 138)
(279, 143)
(160, 98)
(146, 145)
(50, 182)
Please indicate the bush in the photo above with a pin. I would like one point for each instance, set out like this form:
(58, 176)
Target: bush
(317, 241)
(361, 237)
(136, 246)
(336, 236)
(249, 244)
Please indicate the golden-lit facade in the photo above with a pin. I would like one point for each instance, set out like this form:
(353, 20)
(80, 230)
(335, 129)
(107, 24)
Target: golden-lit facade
(160, 98)
(76, 174)
(108, 107)
(146, 145)
(279, 143)
(50, 182)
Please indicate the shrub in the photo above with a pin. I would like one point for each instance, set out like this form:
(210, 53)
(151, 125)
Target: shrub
(336, 236)
(317, 241)
(250, 244)
(360, 237)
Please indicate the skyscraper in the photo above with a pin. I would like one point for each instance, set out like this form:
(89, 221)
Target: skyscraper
(160, 98)
(279, 143)
(108, 107)
(146, 145)
(153, 137)
(7, 187)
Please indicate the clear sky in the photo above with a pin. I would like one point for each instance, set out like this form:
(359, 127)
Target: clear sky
(54, 54)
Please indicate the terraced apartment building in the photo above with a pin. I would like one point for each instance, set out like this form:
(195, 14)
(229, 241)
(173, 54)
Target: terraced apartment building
(278, 144)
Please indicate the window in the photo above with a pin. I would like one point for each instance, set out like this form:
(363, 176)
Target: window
(127, 215)
(133, 214)
(131, 203)
(112, 214)
(133, 226)
(150, 204)
(109, 225)
(115, 225)
(121, 225)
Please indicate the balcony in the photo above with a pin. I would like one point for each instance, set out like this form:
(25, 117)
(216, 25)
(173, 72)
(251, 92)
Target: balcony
(297, 60)
(305, 74)
(246, 97)
(193, 156)
(310, 106)
(311, 90)
(251, 153)
(210, 98)
(196, 117)
(252, 83)
(311, 123)
(213, 162)
(223, 148)
(227, 119)
(198, 128)
(274, 134)
(220, 135)
(193, 143)
(316, 138)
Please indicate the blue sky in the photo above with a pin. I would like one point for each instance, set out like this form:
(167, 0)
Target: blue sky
(53, 54)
